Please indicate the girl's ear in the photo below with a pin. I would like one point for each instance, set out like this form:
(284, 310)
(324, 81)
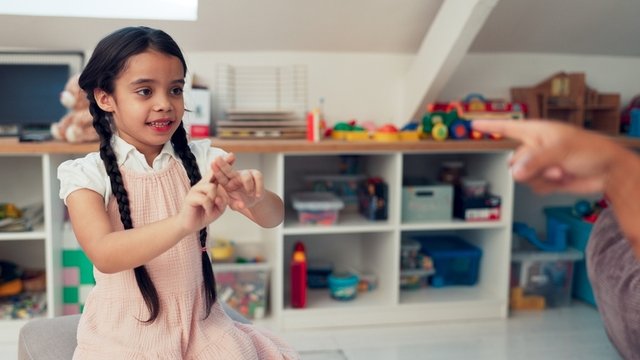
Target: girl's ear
(103, 99)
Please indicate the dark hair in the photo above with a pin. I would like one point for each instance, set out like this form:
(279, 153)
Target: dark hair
(107, 61)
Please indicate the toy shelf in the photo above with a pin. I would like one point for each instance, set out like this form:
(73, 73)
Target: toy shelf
(352, 242)
(38, 233)
(374, 246)
(453, 224)
(347, 223)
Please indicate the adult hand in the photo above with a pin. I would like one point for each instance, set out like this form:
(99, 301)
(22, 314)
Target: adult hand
(554, 156)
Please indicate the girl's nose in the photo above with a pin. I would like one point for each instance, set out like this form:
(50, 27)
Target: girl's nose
(162, 103)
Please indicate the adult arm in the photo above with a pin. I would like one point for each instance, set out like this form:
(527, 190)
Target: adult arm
(555, 157)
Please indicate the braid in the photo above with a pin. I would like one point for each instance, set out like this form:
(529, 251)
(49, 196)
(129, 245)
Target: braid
(108, 156)
(181, 147)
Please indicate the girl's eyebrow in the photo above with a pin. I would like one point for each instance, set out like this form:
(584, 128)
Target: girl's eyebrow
(144, 81)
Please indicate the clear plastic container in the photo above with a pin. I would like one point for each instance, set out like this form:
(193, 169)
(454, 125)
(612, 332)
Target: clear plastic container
(244, 287)
(546, 274)
(319, 208)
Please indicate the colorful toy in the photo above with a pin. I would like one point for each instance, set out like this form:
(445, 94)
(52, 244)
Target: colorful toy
(456, 117)
(410, 132)
(589, 211)
(387, 132)
(459, 129)
(440, 131)
(340, 130)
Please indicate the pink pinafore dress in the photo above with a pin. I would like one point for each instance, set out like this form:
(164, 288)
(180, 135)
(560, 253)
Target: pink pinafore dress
(110, 326)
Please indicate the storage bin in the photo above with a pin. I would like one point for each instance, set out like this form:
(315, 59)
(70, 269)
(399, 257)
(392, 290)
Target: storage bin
(318, 272)
(317, 207)
(485, 208)
(427, 202)
(244, 287)
(456, 262)
(546, 274)
(343, 286)
(343, 186)
(578, 237)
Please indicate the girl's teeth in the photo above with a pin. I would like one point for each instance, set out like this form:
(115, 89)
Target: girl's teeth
(159, 124)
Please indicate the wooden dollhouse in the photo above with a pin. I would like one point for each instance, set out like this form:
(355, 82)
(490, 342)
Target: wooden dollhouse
(566, 97)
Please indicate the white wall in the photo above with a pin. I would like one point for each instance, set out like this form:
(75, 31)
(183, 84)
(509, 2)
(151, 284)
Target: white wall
(367, 86)
(494, 74)
(362, 86)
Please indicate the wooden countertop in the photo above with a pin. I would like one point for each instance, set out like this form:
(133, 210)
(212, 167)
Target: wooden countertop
(10, 145)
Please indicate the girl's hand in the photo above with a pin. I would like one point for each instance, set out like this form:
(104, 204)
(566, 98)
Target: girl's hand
(243, 188)
(203, 204)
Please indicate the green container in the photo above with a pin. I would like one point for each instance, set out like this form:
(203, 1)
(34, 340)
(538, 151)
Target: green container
(433, 202)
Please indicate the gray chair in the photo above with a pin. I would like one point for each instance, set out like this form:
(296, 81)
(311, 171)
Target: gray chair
(55, 339)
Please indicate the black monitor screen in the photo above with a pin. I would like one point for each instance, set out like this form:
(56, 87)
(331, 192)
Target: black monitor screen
(30, 93)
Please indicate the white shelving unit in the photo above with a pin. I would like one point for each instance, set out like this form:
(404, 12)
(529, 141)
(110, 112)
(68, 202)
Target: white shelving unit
(354, 242)
(374, 246)
(26, 180)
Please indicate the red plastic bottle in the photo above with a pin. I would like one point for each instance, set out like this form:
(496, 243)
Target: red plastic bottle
(298, 276)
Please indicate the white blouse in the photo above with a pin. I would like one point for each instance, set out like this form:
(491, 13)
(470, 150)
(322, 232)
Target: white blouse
(89, 172)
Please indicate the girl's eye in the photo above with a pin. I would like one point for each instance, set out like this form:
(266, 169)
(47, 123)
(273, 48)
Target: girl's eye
(144, 92)
(176, 91)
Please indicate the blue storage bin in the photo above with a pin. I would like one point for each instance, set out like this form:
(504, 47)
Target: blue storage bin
(578, 236)
(456, 261)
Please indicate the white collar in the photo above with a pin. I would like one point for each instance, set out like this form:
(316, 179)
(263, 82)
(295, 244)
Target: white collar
(126, 152)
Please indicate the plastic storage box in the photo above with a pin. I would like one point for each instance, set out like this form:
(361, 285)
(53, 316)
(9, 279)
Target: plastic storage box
(578, 237)
(455, 261)
(545, 274)
(244, 287)
(427, 202)
(343, 186)
(317, 207)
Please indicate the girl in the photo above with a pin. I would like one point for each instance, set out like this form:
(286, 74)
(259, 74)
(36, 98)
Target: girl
(140, 210)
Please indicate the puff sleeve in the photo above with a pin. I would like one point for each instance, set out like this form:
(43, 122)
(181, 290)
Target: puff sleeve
(205, 153)
(83, 173)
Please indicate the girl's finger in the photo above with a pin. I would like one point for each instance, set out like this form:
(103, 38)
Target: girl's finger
(195, 199)
(258, 182)
(230, 158)
(247, 180)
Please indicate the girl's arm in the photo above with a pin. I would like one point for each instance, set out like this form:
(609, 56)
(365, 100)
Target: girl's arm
(268, 212)
(113, 251)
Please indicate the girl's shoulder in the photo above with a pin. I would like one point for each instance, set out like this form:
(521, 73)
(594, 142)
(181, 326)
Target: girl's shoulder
(90, 162)
(85, 172)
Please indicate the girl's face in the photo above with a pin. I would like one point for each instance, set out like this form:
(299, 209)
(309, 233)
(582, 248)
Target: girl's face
(147, 104)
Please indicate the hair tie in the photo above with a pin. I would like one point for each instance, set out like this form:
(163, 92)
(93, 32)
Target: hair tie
(204, 249)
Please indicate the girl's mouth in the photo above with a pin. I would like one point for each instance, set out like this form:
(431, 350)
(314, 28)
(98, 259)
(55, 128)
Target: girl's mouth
(160, 125)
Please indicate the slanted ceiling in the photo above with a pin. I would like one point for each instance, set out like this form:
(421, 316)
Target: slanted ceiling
(603, 27)
(438, 32)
